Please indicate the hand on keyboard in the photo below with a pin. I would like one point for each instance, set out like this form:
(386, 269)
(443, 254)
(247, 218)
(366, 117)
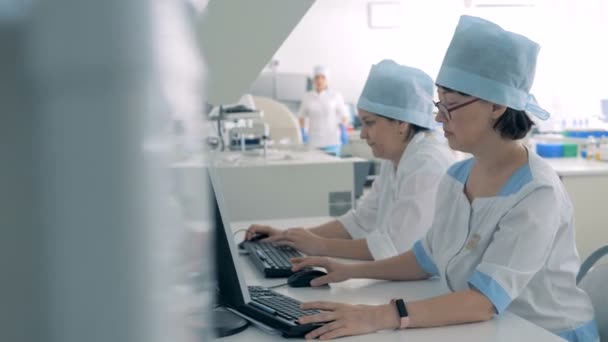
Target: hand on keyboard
(347, 320)
(301, 239)
(257, 229)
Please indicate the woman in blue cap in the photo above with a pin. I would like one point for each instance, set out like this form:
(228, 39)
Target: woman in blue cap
(396, 111)
(503, 234)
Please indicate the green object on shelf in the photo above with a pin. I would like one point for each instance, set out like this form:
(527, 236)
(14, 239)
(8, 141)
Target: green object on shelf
(570, 150)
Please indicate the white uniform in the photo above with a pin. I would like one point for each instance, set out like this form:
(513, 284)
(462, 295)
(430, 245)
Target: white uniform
(517, 248)
(399, 208)
(325, 111)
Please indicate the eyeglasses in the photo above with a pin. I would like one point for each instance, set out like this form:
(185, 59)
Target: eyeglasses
(446, 112)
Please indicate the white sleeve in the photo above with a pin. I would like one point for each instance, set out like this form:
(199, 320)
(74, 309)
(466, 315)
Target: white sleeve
(411, 215)
(303, 111)
(423, 248)
(519, 248)
(361, 221)
(341, 109)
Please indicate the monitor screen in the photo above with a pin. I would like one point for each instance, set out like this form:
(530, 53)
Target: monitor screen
(230, 281)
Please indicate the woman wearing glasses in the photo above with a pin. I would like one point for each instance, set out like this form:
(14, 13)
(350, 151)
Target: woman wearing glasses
(503, 234)
(395, 109)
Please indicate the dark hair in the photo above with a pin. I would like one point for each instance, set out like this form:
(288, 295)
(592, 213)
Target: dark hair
(450, 90)
(414, 129)
(513, 124)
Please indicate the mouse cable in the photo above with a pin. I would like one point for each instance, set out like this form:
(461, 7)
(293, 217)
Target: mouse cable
(238, 231)
(275, 286)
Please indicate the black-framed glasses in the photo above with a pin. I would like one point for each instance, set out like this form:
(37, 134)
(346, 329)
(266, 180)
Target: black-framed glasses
(447, 112)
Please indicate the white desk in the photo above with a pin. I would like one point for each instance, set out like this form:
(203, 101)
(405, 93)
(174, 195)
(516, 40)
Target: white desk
(506, 327)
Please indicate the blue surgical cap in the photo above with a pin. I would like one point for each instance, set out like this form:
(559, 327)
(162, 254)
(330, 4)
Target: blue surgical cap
(399, 92)
(485, 61)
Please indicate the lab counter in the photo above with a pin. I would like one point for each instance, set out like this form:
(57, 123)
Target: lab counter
(281, 184)
(578, 167)
(586, 182)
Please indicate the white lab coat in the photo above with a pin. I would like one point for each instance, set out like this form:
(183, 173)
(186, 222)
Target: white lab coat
(517, 248)
(324, 111)
(399, 208)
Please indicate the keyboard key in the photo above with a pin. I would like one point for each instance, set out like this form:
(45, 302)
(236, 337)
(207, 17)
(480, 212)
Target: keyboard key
(286, 306)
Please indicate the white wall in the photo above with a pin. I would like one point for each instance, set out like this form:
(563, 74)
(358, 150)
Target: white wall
(336, 33)
(572, 68)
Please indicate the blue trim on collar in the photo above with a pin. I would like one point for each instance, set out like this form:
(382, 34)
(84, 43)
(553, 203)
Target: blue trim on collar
(587, 332)
(518, 179)
(492, 290)
(424, 260)
(461, 170)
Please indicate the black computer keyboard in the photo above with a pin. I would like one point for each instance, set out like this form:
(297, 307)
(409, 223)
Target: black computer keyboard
(276, 303)
(272, 260)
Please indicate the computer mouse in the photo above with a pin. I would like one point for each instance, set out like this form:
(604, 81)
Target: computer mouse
(255, 237)
(258, 236)
(303, 278)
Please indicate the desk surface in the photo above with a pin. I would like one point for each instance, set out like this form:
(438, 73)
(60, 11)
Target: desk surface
(274, 157)
(578, 166)
(506, 327)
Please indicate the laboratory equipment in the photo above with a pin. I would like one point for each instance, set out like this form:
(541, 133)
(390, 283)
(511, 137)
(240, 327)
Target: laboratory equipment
(252, 135)
(550, 150)
(236, 128)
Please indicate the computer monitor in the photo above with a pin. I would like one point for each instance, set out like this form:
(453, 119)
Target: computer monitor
(231, 287)
(230, 280)
(233, 292)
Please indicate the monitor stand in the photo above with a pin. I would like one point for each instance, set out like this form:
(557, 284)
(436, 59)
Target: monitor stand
(226, 323)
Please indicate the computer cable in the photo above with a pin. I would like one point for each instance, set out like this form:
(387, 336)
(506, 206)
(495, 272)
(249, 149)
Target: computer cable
(276, 286)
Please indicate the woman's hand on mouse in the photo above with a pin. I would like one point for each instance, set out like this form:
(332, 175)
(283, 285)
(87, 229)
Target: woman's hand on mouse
(261, 229)
(336, 272)
(347, 320)
(301, 239)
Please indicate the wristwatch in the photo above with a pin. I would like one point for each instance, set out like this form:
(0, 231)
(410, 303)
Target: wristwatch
(404, 319)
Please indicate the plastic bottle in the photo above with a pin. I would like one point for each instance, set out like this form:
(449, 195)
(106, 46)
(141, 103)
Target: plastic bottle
(598, 144)
(598, 151)
(591, 148)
